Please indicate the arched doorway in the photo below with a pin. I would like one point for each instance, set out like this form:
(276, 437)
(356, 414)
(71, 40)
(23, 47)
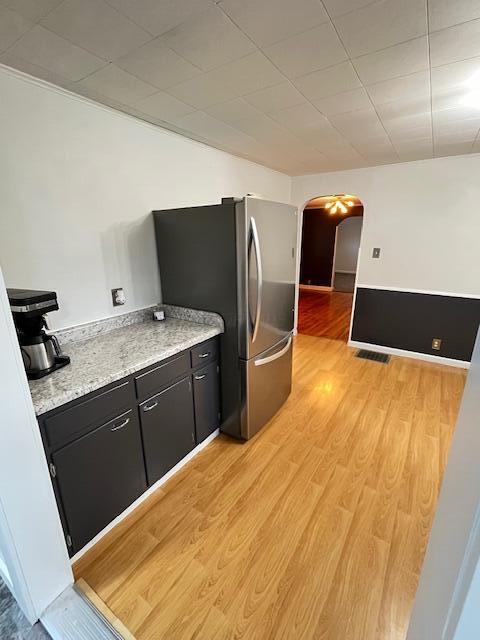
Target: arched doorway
(331, 234)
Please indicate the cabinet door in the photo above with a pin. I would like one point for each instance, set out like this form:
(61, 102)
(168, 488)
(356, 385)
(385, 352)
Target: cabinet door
(205, 388)
(168, 428)
(100, 475)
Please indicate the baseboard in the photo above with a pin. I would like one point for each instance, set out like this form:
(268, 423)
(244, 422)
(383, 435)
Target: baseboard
(427, 357)
(314, 287)
(134, 512)
(350, 273)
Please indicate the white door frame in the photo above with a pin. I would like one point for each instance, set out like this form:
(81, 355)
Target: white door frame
(335, 251)
(32, 545)
(301, 211)
(332, 277)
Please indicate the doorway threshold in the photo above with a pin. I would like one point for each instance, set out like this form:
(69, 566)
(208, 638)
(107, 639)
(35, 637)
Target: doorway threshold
(72, 616)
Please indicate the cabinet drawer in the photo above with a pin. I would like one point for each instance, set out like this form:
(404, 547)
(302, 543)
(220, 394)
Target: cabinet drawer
(99, 475)
(204, 353)
(206, 399)
(168, 428)
(160, 376)
(65, 426)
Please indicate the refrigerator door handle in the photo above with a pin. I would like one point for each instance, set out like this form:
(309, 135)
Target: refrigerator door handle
(258, 258)
(275, 356)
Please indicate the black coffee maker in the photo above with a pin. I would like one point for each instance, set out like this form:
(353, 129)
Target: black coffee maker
(40, 351)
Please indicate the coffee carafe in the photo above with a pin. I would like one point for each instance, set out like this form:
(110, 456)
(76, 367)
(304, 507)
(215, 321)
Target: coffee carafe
(41, 351)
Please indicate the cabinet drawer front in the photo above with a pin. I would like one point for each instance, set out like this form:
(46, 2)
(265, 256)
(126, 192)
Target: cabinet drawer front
(63, 427)
(168, 428)
(160, 376)
(206, 399)
(204, 353)
(100, 475)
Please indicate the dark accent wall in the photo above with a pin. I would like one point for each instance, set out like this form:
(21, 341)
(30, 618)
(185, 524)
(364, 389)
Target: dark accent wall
(410, 321)
(318, 244)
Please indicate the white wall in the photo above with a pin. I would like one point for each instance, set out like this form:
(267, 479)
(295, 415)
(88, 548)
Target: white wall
(425, 217)
(469, 622)
(347, 245)
(31, 537)
(454, 546)
(78, 182)
(4, 572)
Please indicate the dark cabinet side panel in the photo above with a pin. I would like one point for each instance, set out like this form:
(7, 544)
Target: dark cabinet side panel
(207, 402)
(168, 428)
(100, 475)
(197, 259)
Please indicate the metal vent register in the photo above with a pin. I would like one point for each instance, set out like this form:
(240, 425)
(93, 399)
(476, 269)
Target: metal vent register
(373, 355)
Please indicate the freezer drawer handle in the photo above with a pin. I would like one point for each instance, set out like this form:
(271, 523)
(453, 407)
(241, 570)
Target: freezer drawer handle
(275, 356)
(121, 425)
(201, 377)
(258, 258)
(149, 407)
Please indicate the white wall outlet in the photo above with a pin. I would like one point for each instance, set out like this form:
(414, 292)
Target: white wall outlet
(436, 344)
(118, 297)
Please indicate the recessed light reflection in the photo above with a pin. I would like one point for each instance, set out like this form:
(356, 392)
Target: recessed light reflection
(325, 387)
(471, 99)
(474, 81)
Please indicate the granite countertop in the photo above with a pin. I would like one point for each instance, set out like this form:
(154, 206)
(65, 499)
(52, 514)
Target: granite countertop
(109, 356)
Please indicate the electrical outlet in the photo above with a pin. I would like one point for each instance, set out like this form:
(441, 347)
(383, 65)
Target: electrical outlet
(436, 344)
(376, 252)
(118, 297)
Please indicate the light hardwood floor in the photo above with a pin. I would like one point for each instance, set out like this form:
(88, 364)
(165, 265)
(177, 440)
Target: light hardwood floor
(315, 529)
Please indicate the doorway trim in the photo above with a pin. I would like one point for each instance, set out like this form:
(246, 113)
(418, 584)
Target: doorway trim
(37, 563)
(332, 283)
(298, 286)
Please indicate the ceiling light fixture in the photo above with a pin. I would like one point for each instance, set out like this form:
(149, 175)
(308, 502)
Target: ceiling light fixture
(339, 203)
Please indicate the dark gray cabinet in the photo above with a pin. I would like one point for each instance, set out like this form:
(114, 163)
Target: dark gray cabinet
(154, 379)
(204, 353)
(168, 428)
(105, 448)
(99, 475)
(206, 400)
(96, 409)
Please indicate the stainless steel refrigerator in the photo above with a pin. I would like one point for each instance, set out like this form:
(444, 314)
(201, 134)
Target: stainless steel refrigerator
(238, 259)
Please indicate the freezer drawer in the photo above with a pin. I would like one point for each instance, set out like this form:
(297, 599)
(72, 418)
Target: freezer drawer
(266, 384)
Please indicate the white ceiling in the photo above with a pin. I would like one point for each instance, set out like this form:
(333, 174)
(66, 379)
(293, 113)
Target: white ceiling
(302, 86)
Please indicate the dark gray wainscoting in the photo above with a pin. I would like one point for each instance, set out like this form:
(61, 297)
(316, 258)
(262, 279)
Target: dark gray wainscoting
(410, 321)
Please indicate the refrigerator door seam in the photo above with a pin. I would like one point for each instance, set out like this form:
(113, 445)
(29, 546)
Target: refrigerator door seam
(274, 356)
(258, 259)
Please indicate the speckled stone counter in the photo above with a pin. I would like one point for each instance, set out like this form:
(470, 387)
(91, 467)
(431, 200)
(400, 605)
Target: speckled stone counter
(112, 353)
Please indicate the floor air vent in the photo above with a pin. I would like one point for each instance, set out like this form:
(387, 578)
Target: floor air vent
(373, 355)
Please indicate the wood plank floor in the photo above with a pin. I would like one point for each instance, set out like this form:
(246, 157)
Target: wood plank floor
(325, 314)
(315, 529)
